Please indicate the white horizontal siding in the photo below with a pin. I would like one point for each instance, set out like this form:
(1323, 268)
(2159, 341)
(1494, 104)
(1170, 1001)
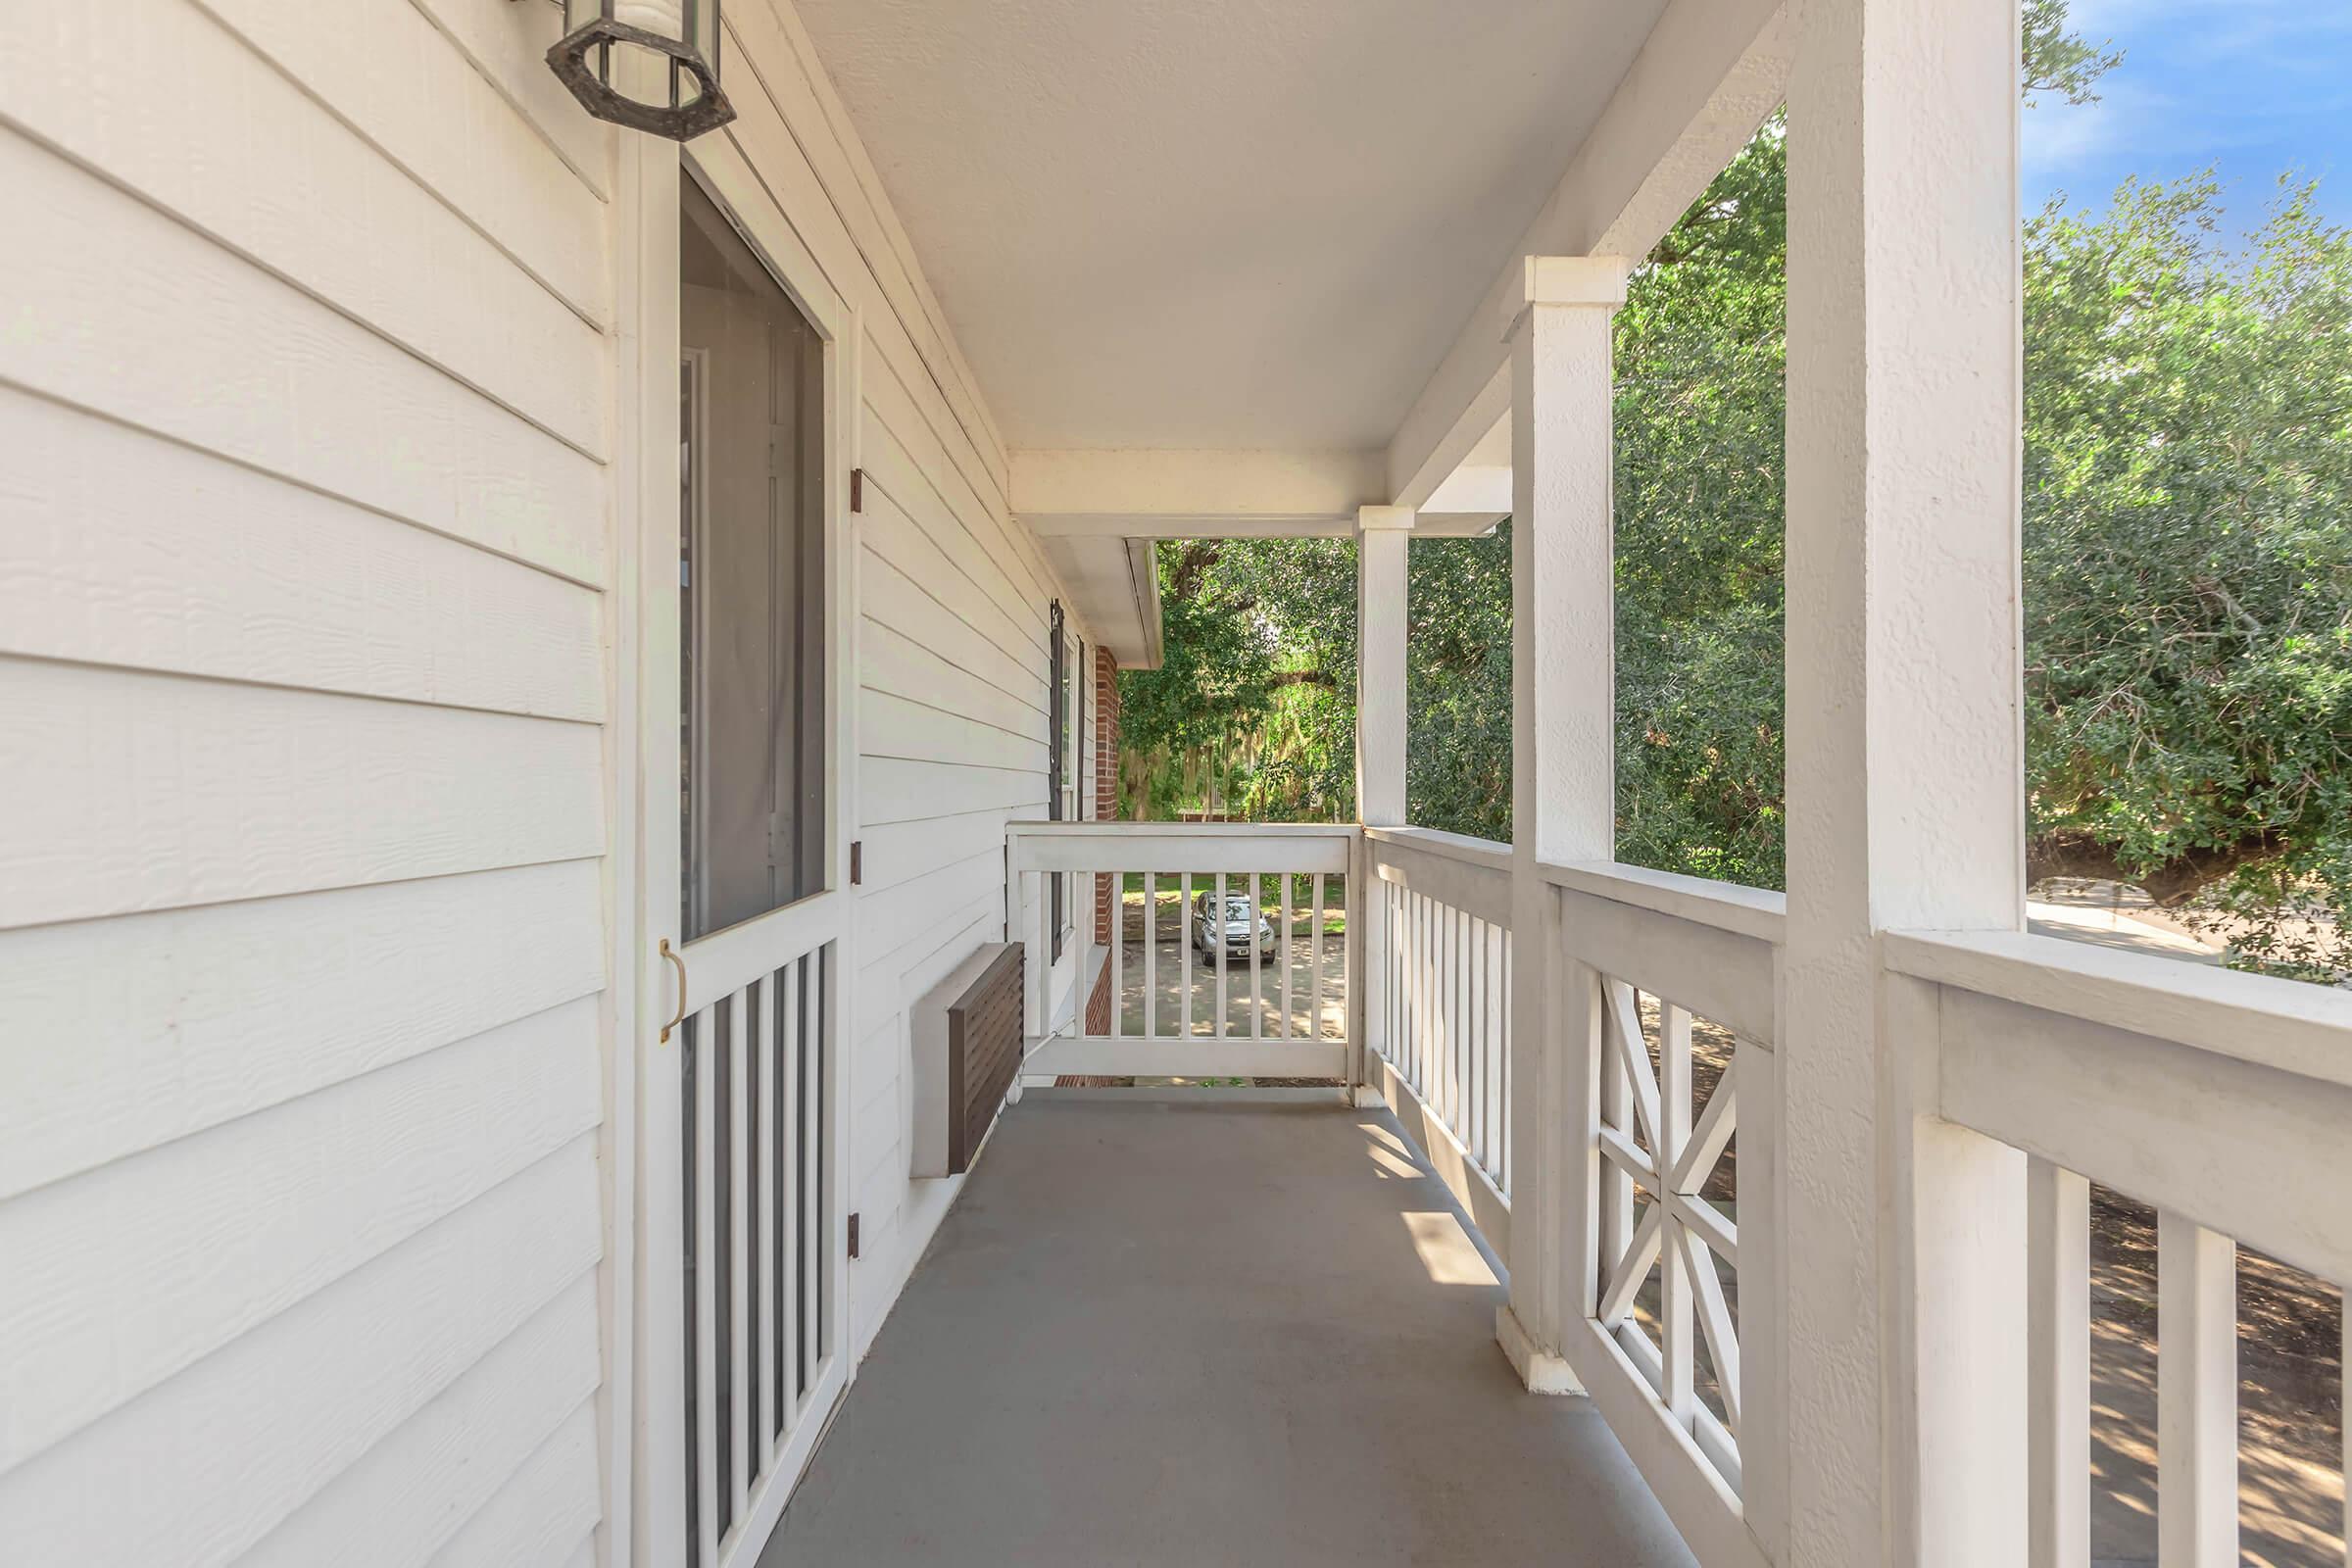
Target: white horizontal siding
(234, 1227)
(226, 1451)
(840, 162)
(186, 1019)
(897, 790)
(121, 548)
(155, 324)
(306, 395)
(413, 1491)
(265, 168)
(508, 44)
(951, 637)
(146, 792)
(302, 639)
(539, 1518)
(397, 80)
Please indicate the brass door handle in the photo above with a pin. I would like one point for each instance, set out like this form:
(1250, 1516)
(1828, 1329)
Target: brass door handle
(671, 954)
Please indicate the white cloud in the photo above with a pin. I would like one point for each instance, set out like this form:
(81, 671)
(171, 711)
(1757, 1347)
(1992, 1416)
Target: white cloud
(2059, 138)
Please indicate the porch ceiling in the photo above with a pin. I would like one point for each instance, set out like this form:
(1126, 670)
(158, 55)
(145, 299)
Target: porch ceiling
(1233, 225)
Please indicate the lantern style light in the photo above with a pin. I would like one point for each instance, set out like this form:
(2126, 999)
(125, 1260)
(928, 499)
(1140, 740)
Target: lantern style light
(679, 36)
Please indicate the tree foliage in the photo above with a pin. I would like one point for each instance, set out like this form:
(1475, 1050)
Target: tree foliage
(1700, 354)
(2189, 559)
(2187, 567)
(1252, 712)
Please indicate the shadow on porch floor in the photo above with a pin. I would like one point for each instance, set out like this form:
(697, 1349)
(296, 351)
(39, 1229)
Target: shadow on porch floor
(1183, 1327)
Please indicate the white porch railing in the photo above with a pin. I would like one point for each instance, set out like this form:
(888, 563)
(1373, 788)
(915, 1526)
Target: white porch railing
(2219, 1099)
(1293, 1016)
(1680, 973)
(1678, 1350)
(1438, 999)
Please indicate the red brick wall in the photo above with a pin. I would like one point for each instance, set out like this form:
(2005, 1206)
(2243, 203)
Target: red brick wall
(1103, 703)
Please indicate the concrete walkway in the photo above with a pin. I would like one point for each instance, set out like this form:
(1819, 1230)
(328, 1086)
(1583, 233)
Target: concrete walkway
(1180, 1328)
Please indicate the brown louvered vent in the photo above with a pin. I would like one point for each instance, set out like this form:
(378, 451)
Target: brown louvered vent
(984, 1051)
(967, 1052)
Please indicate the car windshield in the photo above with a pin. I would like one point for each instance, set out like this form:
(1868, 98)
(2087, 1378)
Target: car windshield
(1236, 908)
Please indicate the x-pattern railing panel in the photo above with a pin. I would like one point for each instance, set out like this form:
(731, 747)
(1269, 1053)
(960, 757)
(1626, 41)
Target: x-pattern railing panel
(1654, 1147)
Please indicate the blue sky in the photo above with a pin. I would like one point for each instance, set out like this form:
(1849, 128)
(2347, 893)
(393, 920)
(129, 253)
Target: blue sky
(2250, 86)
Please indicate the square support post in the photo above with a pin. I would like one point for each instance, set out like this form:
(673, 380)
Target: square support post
(1383, 536)
(1563, 785)
(1383, 540)
(1903, 1234)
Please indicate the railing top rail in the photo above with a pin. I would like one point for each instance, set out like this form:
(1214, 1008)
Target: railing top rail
(1206, 848)
(2301, 1029)
(1118, 829)
(1752, 912)
(1478, 851)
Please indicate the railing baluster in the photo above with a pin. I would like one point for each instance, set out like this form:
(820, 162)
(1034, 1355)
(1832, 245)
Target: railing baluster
(1474, 984)
(1386, 892)
(1257, 968)
(1288, 1023)
(789, 1038)
(1151, 955)
(1510, 1149)
(1458, 1003)
(1616, 1185)
(1118, 949)
(2058, 1366)
(1426, 963)
(1441, 1001)
(1498, 1058)
(763, 1215)
(1674, 1320)
(1216, 931)
(1184, 932)
(814, 1134)
(705, 1286)
(1415, 1033)
(2196, 1394)
(739, 1246)
(1315, 976)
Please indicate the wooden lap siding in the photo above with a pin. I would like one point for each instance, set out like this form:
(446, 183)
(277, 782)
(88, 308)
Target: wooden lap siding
(305, 640)
(951, 596)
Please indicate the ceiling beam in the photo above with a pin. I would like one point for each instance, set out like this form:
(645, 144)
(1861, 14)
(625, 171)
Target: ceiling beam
(1706, 77)
(1192, 493)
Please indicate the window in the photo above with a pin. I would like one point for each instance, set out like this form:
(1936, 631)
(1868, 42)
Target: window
(750, 581)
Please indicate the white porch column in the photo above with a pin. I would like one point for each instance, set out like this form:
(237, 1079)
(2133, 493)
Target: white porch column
(1904, 1282)
(1382, 534)
(1383, 537)
(1563, 784)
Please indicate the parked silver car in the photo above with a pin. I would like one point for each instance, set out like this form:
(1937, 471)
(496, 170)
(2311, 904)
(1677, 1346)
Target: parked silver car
(1243, 933)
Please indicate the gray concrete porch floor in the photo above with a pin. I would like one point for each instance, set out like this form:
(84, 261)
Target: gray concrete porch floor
(1184, 1328)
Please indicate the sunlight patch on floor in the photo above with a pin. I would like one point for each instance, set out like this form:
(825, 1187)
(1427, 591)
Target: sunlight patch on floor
(1447, 1250)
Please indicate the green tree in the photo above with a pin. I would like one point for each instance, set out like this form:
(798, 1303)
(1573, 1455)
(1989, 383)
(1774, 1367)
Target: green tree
(1701, 352)
(1252, 711)
(2188, 562)
(1458, 684)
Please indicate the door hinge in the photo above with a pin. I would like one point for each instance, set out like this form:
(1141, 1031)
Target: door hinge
(852, 1236)
(856, 489)
(857, 862)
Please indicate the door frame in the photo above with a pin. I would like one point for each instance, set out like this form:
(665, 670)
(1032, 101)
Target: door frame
(647, 1342)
